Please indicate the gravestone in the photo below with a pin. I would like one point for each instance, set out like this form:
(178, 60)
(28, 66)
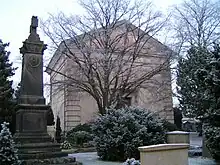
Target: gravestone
(31, 137)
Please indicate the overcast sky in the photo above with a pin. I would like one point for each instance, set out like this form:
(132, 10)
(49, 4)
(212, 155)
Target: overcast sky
(15, 17)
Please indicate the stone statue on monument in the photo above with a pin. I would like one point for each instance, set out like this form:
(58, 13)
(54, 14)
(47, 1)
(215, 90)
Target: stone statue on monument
(34, 25)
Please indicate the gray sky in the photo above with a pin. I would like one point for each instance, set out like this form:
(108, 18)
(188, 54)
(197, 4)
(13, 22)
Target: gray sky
(15, 17)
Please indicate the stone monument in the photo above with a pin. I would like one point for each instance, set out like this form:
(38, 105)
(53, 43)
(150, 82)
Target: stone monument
(31, 135)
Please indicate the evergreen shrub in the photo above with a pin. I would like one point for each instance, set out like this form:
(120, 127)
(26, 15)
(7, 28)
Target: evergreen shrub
(119, 133)
(212, 134)
(80, 134)
(8, 151)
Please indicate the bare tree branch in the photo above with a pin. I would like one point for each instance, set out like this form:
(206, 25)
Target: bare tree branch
(196, 22)
(108, 49)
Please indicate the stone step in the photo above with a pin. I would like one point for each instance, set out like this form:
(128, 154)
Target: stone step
(31, 148)
(41, 155)
(32, 137)
(38, 145)
(38, 150)
(52, 161)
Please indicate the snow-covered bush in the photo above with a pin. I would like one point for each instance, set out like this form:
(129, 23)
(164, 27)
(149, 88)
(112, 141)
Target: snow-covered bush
(132, 161)
(119, 133)
(8, 152)
(65, 145)
(213, 140)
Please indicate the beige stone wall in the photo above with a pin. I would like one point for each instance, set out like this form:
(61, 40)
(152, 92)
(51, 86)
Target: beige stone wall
(57, 93)
(72, 111)
(88, 107)
(156, 95)
(74, 107)
(164, 154)
(57, 103)
(79, 109)
(177, 137)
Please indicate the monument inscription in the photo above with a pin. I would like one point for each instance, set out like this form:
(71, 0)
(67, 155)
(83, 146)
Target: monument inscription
(33, 122)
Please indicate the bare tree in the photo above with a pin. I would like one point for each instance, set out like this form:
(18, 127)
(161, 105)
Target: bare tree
(109, 49)
(196, 22)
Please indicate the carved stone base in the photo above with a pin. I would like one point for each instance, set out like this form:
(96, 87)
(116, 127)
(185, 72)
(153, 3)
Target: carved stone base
(31, 120)
(31, 137)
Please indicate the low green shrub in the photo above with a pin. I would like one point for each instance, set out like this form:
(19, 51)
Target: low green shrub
(168, 126)
(81, 127)
(119, 133)
(81, 137)
(82, 133)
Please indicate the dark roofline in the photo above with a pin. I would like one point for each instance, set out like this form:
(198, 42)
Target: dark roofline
(52, 60)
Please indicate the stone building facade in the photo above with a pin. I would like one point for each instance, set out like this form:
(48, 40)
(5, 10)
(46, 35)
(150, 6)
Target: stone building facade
(75, 107)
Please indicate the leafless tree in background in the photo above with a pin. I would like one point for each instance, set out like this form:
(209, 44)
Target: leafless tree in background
(108, 47)
(196, 22)
(193, 23)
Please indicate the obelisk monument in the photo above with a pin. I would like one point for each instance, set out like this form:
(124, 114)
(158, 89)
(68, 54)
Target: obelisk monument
(31, 134)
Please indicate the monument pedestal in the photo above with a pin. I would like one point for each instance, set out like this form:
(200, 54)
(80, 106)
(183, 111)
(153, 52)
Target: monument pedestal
(31, 137)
